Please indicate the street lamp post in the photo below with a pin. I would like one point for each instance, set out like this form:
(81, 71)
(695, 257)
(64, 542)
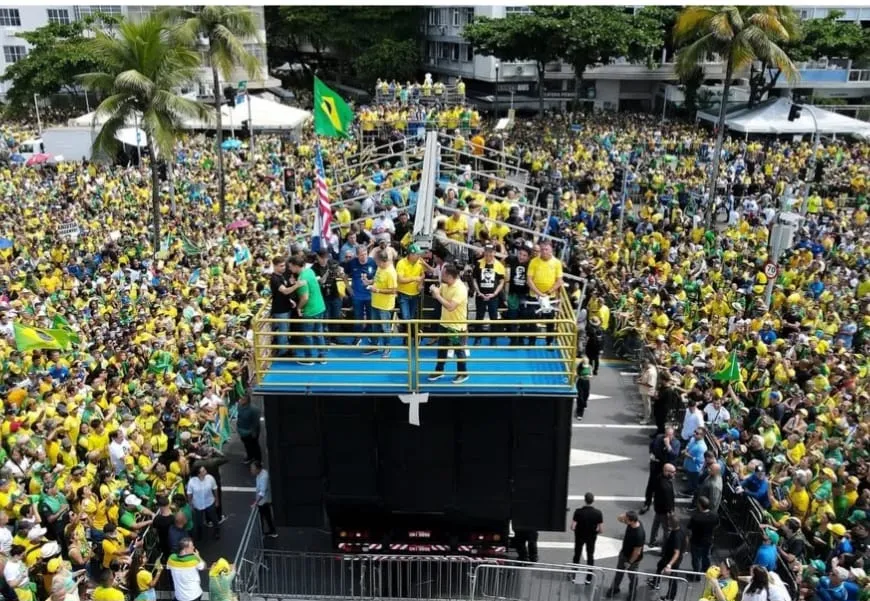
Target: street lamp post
(811, 166)
(497, 67)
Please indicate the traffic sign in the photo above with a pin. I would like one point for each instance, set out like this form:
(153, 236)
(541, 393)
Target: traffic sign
(243, 85)
(770, 270)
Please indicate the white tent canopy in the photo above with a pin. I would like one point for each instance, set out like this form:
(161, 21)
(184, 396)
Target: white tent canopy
(268, 115)
(771, 117)
(264, 113)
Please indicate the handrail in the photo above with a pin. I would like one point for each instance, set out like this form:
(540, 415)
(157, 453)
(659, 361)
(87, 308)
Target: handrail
(398, 366)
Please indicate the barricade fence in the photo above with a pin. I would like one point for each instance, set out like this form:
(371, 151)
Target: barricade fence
(270, 573)
(747, 517)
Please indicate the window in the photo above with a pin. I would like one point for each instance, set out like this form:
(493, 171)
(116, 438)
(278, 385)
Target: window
(9, 17)
(433, 16)
(454, 52)
(13, 54)
(58, 15)
(469, 53)
(443, 50)
(469, 15)
(86, 11)
(517, 10)
(455, 17)
(432, 50)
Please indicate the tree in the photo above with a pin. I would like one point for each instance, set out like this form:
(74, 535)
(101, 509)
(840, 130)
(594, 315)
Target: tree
(225, 28)
(739, 35)
(537, 37)
(59, 53)
(399, 59)
(144, 65)
(829, 37)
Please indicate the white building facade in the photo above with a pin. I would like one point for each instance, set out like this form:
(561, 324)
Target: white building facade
(22, 18)
(620, 85)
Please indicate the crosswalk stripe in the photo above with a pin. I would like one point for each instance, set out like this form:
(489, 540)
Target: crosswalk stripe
(614, 426)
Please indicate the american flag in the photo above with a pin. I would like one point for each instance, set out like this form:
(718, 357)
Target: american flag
(324, 211)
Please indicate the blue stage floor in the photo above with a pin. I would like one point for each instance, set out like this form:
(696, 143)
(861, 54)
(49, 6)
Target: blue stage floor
(536, 370)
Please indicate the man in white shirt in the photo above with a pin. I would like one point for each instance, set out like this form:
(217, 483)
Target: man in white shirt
(693, 420)
(5, 535)
(715, 414)
(185, 567)
(383, 227)
(202, 493)
(119, 448)
(647, 384)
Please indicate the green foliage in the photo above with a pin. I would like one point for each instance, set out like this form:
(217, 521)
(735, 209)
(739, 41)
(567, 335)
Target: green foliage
(58, 54)
(830, 37)
(143, 65)
(398, 58)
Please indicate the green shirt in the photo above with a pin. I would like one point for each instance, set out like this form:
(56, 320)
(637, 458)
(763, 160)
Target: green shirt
(315, 305)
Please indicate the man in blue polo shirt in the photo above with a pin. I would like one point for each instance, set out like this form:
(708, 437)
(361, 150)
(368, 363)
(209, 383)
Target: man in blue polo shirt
(361, 272)
(766, 555)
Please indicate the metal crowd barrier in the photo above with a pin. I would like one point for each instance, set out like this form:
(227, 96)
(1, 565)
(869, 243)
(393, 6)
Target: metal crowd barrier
(405, 343)
(746, 516)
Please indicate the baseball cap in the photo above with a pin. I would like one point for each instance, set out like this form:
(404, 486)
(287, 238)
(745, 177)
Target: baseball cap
(414, 249)
(772, 536)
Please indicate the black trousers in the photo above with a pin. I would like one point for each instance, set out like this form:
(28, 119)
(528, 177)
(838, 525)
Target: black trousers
(582, 396)
(655, 470)
(461, 354)
(266, 521)
(594, 360)
(672, 584)
(252, 448)
(625, 565)
(526, 542)
(589, 544)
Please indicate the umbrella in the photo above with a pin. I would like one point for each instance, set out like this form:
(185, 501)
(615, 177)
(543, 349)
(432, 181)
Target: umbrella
(231, 144)
(17, 158)
(38, 159)
(5, 243)
(239, 224)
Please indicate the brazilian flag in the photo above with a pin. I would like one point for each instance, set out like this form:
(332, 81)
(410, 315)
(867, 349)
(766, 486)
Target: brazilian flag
(28, 338)
(332, 116)
(60, 323)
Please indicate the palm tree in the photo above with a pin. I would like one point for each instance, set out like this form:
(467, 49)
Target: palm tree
(224, 28)
(144, 65)
(739, 35)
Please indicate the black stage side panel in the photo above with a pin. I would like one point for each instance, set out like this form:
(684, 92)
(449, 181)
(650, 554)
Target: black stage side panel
(472, 458)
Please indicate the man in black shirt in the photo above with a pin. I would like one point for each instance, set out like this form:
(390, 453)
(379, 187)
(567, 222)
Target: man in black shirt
(701, 526)
(672, 555)
(630, 555)
(487, 283)
(664, 448)
(518, 290)
(587, 524)
(282, 305)
(664, 502)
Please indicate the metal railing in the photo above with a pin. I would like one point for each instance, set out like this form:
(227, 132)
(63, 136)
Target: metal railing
(262, 572)
(400, 343)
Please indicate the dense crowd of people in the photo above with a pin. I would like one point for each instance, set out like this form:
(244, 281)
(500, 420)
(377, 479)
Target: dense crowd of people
(120, 431)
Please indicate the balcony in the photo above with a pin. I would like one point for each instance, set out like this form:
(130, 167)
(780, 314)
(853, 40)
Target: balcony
(828, 78)
(641, 72)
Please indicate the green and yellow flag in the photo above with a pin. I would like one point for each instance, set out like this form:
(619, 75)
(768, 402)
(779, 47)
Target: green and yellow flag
(28, 338)
(731, 372)
(332, 116)
(60, 323)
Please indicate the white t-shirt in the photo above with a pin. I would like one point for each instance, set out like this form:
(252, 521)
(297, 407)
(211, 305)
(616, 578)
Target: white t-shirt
(15, 570)
(202, 491)
(715, 416)
(5, 541)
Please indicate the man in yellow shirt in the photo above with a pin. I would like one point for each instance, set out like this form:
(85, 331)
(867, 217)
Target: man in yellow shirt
(545, 282)
(410, 272)
(384, 288)
(452, 295)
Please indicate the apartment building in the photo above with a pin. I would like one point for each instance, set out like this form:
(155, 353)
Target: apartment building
(620, 85)
(21, 18)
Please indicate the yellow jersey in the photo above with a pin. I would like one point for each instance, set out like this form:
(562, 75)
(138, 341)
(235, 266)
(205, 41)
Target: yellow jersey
(545, 274)
(406, 269)
(457, 319)
(385, 279)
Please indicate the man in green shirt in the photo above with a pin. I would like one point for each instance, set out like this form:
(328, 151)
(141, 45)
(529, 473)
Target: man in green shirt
(311, 309)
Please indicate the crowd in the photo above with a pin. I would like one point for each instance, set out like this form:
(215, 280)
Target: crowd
(118, 432)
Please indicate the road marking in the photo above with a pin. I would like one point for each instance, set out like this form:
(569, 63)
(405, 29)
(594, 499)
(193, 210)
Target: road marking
(618, 499)
(597, 397)
(614, 426)
(628, 373)
(605, 546)
(580, 457)
(238, 489)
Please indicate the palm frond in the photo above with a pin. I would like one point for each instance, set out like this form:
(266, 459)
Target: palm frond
(690, 20)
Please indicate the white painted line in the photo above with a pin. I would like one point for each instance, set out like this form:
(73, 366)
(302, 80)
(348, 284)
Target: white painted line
(618, 499)
(580, 458)
(615, 426)
(629, 373)
(605, 546)
(238, 489)
(597, 397)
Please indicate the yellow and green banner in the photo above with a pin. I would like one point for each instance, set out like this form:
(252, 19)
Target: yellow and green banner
(333, 118)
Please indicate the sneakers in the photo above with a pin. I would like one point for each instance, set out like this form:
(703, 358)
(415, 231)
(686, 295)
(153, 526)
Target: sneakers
(434, 377)
(272, 535)
(385, 355)
(322, 359)
(223, 519)
(304, 362)
(461, 378)
(372, 351)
